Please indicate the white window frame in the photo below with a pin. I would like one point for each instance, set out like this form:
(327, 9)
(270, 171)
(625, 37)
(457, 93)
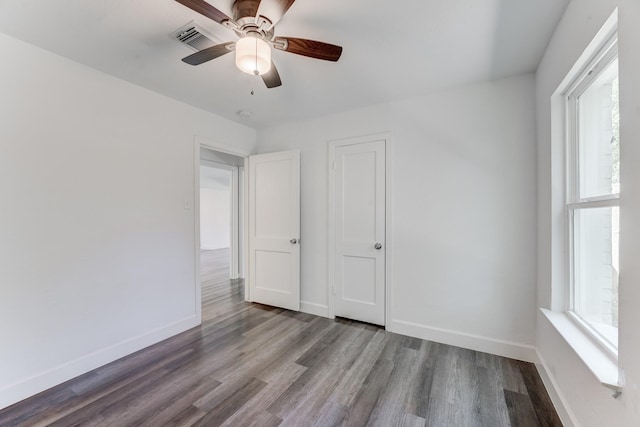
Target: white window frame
(573, 202)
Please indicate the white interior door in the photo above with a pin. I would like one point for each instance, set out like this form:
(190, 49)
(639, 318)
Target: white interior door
(274, 229)
(359, 231)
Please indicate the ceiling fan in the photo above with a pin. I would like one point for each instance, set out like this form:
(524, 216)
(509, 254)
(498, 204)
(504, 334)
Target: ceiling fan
(254, 22)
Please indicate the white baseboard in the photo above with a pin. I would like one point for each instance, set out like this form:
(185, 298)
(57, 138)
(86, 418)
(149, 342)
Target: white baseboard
(509, 349)
(559, 402)
(39, 382)
(312, 308)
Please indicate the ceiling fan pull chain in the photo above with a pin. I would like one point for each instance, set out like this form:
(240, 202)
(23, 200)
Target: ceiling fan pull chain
(255, 70)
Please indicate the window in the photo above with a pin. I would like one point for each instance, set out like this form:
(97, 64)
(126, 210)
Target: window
(593, 196)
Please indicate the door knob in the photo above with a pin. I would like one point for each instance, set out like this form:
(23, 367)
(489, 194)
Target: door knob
(378, 246)
(293, 241)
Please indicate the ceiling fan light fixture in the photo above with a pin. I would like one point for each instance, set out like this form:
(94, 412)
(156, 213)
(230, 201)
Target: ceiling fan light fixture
(253, 55)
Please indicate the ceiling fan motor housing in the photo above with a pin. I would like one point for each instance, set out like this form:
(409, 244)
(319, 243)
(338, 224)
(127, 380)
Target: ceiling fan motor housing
(259, 27)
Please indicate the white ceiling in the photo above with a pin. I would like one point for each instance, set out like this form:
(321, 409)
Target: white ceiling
(392, 49)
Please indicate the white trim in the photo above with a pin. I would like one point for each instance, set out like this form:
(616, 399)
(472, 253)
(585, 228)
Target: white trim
(217, 165)
(332, 145)
(481, 343)
(600, 203)
(331, 225)
(315, 309)
(609, 28)
(234, 272)
(594, 335)
(243, 217)
(388, 314)
(595, 358)
(44, 380)
(222, 147)
(560, 404)
(196, 231)
(200, 141)
(599, 61)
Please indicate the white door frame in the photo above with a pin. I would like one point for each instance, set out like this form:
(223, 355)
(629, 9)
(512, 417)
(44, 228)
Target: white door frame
(203, 142)
(333, 144)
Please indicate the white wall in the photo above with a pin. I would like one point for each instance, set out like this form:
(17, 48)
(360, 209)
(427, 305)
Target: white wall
(589, 403)
(96, 222)
(215, 218)
(464, 194)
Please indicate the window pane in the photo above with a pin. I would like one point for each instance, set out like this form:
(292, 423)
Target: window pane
(599, 136)
(596, 235)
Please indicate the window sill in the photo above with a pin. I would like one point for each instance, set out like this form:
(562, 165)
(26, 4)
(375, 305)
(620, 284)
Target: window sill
(596, 359)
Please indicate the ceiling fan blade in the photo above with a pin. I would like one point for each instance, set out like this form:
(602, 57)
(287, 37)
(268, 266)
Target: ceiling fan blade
(274, 10)
(208, 54)
(272, 79)
(310, 48)
(245, 8)
(204, 8)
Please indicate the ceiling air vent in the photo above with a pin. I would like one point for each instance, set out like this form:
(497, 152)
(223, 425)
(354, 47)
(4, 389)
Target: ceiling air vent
(194, 36)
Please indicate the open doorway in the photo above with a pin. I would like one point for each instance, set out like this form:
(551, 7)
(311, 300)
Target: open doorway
(216, 226)
(220, 224)
(216, 207)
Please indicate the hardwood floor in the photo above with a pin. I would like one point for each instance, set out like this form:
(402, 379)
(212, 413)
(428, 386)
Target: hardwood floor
(253, 365)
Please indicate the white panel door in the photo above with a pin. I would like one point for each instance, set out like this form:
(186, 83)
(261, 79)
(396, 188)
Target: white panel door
(359, 206)
(274, 229)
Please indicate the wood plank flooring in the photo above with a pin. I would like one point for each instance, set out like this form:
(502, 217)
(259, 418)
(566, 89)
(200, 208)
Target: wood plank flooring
(253, 365)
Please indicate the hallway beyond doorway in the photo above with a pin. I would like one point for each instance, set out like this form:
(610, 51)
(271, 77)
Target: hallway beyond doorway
(217, 288)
